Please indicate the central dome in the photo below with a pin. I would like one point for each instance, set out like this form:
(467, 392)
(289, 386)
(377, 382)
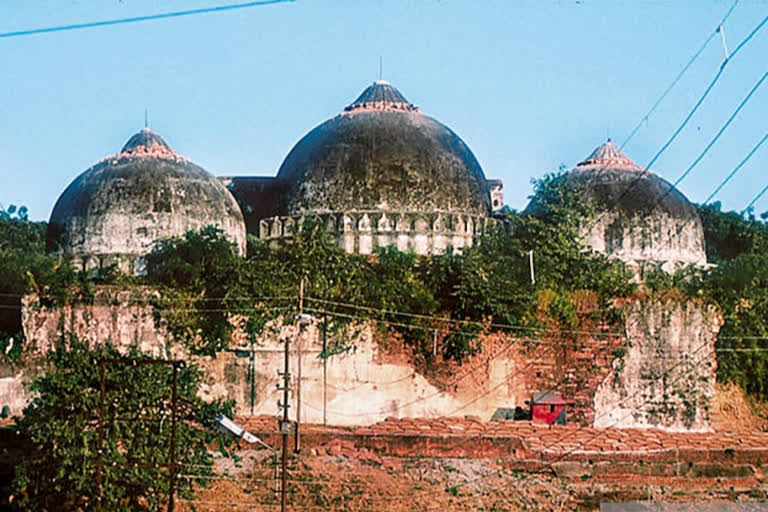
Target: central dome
(382, 154)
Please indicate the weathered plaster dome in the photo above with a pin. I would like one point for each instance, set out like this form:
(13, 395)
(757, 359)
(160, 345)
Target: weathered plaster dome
(639, 217)
(115, 211)
(381, 153)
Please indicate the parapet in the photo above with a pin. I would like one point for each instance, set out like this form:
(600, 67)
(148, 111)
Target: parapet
(360, 232)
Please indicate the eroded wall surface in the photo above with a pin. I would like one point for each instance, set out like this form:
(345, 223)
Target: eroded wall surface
(658, 373)
(123, 317)
(363, 385)
(665, 375)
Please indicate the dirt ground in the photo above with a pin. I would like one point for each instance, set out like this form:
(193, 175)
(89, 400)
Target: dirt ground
(732, 410)
(338, 479)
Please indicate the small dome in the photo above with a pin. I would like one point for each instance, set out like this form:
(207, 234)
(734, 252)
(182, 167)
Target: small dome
(639, 216)
(381, 153)
(117, 209)
(613, 181)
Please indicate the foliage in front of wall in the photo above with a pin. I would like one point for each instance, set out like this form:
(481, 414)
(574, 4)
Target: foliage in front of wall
(203, 283)
(456, 295)
(60, 428)
(25, 267)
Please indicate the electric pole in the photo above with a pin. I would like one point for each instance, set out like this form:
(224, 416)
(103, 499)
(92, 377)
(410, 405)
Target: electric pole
(325, 371)
(296, 444)
(285, 424)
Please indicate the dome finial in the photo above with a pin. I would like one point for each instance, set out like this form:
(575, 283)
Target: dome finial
(146, 118)
(146, 141)
(608, 156)
(381, 95)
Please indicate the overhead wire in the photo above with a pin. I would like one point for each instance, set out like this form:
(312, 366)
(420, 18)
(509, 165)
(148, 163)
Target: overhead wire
(138, 19)
(754, 200)
(736, 170)
(444, 320)
(680, 74)
(716, 138)
(685, 121)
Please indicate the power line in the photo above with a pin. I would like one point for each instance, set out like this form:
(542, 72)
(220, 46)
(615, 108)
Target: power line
(138, 19)
(685, 121)
(443, 320)
(754, 200)
(716, 137)
(736, 169)
(541, 331)
(680, 74)
(681, 226)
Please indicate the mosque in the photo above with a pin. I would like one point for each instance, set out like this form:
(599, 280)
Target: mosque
(379, 173)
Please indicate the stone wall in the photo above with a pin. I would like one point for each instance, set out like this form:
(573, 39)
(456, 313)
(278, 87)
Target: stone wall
(660, 372)
(665, 376)
(365, 385)
(13, 393)
(361, 232)
(121, 316)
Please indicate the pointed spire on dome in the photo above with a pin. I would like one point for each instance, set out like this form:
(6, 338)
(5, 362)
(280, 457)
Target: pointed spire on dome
(381, 95)
(608, 156)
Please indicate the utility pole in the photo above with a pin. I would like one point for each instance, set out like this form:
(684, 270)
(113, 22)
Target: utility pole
(102, 418)
(253, 374)
(285, 424)
(325, 371)
(296, 444)
(172, 469)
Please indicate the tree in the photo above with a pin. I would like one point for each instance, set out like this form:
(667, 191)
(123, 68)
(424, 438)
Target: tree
(729, 234)
(201, 276)
(61, 428)
(739, 286)
(24, 268)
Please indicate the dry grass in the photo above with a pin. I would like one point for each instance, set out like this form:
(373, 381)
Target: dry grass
(732, 410)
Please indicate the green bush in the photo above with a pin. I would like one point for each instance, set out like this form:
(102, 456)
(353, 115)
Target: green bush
(61, 430)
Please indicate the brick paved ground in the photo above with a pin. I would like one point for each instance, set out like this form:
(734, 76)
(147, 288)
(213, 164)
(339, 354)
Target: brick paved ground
(457, 464)
(543, 441)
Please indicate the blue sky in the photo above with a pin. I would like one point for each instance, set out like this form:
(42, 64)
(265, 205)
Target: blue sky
(529, 85)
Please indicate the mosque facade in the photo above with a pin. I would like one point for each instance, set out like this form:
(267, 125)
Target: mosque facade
(380, 173)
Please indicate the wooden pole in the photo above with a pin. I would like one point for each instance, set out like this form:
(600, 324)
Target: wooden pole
(296, 444)
(253, 376)
(172, 469)
(325, 373)
(284, 426)
(100, 463)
